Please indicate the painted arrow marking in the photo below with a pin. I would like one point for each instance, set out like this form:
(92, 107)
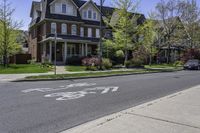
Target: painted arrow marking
(60, 88)
(79, 94)
(105, 89)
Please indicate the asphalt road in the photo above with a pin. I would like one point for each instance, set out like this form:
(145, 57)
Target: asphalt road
(45, 110)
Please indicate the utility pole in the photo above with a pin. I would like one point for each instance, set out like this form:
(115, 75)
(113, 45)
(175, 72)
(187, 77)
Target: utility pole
(101, 35)
(55, 51)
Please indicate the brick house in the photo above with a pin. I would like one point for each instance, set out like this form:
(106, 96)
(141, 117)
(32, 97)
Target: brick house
(76, 22)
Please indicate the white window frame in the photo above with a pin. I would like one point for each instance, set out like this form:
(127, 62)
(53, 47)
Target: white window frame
(89, 32)
(74, 29)
(97, 33)
(94, 15)
(84, 14)
(82, 31)
(65, 8)
(89, 14)
(64, 28)
(53, 28)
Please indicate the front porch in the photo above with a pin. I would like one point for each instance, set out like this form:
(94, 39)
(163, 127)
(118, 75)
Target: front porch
(66, 50)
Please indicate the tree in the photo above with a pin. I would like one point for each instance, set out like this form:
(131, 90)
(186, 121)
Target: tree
(167, 13)
(189, 14)
(148, 34)
(123, 26)
(9, 32)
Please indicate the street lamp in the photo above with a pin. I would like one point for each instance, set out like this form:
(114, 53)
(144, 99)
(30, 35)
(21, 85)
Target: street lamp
(55, 51)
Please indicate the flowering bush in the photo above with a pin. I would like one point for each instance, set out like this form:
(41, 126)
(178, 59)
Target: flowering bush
(91, 63)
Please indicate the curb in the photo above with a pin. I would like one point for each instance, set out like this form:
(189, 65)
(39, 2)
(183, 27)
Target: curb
(114, 75)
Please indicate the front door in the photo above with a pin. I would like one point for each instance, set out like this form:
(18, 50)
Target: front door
(59, 56)
(59, 53)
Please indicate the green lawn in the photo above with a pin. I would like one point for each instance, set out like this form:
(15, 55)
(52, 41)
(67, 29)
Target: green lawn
(28, 68)
(75, 68)
(162, 66)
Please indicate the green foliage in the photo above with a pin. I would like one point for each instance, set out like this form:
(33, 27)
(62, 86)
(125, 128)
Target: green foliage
(135, 62)
(19, 69)
(46, 64)
(178, 63)
(148, 35)
(120, 54)
(32, 62)
(124, 27)
(106, 64)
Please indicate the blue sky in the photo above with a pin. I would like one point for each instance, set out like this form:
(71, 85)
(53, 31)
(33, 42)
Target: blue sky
(23, 9)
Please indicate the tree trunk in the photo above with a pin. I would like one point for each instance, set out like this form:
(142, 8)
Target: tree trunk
(126, 57)
(168, 54)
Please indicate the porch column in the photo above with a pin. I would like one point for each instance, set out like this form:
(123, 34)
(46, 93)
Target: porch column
(45, 49)
(82, 49)
(50, 51)
(65, 52)
(86, 49)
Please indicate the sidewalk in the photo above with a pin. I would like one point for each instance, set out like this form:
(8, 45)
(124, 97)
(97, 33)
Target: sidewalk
(177, 113)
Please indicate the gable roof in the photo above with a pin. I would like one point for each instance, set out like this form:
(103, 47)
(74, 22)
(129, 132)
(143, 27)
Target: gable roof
(36, 6)
(70, 0)
(106, 11)
(88, 2)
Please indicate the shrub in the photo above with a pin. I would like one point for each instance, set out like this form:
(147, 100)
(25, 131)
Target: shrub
(120, 54)
(32, 62)
(178, 63)
(106, 64)
(191, 54)
(135, 62)
(91, 63)
(46, 64)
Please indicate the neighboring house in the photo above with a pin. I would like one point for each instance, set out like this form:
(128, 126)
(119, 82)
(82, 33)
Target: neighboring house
(179, 41)
(23, 41)
(77, 24)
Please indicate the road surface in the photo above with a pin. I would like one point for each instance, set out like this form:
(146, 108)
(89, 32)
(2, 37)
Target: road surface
(54, 106)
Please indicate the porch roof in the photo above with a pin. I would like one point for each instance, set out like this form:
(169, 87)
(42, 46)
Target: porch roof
(71, 38)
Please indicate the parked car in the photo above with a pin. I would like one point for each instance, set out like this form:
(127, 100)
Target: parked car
(192, 65)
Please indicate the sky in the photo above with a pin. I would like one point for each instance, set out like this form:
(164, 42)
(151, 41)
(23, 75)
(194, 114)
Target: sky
(23, 7)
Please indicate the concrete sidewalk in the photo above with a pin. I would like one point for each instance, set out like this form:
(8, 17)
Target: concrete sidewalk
(177, 113)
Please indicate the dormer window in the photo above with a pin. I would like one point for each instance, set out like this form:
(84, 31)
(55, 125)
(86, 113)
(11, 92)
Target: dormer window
(94, 15)
(90, 14)
(64, 8)
(84, 14)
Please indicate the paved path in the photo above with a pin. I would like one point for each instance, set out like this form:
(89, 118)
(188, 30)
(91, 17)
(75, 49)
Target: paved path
(54, 106)
(177, 113)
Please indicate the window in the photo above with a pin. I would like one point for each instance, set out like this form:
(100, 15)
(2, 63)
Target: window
(89, 32)
(84, 14)
(89, 14)
(74, 29)
(97, 33)
(53, 28)
(94, 15)
(82, 32)
(64, 29)
(64, 8)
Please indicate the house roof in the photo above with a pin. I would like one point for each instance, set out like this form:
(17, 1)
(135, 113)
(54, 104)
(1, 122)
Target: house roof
(36, 6)
(106, 11)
